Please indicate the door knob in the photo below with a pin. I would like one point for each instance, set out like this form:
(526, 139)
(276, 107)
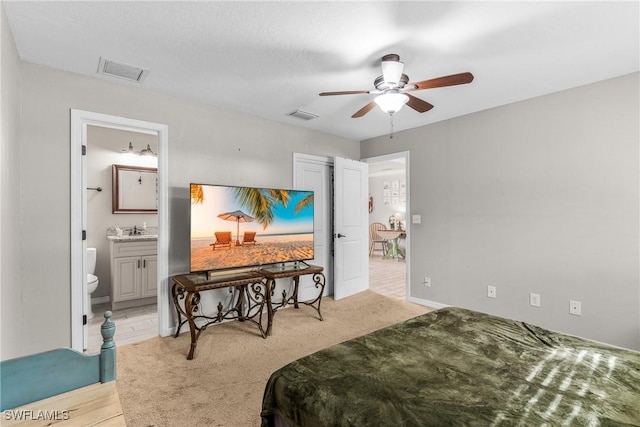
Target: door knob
(340, 235)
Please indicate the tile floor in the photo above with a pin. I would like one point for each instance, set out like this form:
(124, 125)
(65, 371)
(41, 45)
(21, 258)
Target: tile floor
(132, 325)
(386, 277)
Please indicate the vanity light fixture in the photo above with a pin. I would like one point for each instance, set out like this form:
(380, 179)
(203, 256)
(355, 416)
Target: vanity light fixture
(129, 150)
(145, 151)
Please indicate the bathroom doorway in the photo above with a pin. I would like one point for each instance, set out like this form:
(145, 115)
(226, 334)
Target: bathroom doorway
(98, 142)
(106, 147)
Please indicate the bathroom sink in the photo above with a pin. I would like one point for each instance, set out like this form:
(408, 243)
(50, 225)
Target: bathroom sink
(135, 237)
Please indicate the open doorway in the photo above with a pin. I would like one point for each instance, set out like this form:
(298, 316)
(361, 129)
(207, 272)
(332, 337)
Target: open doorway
(389, 233)
(136, 153)
(81, 123)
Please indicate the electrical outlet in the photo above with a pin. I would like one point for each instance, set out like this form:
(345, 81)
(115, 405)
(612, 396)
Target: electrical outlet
(534, 300)
(427, 281)
(491, 291)
(575, 308)
(416, 219)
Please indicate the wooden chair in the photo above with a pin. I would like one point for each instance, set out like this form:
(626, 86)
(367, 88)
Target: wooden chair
(376, 239)
(249, 238)
(223, 238)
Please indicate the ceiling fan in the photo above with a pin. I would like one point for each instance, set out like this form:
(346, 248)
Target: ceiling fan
(392, 88)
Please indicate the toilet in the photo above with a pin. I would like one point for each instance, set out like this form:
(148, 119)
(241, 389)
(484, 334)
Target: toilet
(92, 281)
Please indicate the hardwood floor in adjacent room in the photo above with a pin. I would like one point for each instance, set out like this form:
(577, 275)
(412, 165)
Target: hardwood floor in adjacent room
(388, 277)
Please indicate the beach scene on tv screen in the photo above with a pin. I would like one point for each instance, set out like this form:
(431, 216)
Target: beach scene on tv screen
(234, 227)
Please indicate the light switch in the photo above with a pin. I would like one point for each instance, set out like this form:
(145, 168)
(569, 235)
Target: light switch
(416, 219)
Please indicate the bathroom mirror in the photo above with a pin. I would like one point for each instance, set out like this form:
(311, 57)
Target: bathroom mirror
(135, 189)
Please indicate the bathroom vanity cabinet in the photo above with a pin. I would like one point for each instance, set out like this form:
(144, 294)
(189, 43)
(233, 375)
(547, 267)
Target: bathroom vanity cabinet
(134, 277)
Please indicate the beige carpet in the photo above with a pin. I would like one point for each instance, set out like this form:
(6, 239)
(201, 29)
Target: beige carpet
(223, 385)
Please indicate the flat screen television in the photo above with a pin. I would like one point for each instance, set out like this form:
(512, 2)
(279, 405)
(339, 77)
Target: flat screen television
(235, 227)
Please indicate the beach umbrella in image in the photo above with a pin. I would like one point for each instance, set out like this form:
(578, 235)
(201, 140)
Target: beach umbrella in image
(239, 217)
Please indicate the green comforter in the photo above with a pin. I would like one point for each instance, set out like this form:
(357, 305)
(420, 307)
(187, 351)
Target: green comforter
(456, 367)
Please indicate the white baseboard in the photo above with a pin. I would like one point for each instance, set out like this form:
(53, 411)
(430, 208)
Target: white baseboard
(100, 300)
(432, 304)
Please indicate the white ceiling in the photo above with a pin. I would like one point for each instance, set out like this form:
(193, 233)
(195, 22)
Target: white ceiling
(272, 57)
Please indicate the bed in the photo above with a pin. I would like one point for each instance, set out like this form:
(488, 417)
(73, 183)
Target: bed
(63, 386)
(458, 367)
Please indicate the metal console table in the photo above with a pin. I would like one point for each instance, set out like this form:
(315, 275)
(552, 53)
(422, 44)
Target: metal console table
(187, 287)
(295, 271)
(256, 287)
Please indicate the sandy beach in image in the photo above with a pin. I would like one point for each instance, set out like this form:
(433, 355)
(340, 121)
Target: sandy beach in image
(267, 250)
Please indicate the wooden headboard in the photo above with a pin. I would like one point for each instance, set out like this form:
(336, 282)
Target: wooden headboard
(38, 376)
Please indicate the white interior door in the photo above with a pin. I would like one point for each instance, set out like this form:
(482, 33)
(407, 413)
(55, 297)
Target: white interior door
(351, 260)
(85, 297)
(314, 173)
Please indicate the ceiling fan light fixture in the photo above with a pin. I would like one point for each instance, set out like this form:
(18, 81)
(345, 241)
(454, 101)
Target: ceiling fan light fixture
(392, 72)
(393, 86)
(391, 102)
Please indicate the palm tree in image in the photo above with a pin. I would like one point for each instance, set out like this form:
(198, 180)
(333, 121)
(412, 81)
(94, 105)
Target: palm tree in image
(260, 202)
(197, 195)
(305, 202)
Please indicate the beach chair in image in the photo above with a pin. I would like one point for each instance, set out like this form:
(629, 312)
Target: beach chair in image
(223, 238)
(249, 238)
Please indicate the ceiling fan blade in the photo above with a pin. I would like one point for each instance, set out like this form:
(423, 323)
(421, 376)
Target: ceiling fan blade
(364, 110)
(418, 104)
(346, 92)
(452, 80)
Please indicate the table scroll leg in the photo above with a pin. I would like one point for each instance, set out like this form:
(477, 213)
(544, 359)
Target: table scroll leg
(255, 304)
(191, 304)
(296, 282)
(239, 307)
(177, 291)
(319, 282)
(269, 285)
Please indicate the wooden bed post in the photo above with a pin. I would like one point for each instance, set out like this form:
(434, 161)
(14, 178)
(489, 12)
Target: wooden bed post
(107, 350)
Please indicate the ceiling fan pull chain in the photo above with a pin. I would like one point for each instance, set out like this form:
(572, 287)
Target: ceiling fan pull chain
(391, 125)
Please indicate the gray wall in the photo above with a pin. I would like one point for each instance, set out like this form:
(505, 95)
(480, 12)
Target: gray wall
(538, 196)
(10, 268)
(206, 144)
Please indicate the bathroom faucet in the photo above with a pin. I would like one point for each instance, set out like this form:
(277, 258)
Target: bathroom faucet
(135, 231)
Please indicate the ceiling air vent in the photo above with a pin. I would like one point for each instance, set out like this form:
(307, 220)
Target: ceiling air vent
(120, 70)
(304, 115)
